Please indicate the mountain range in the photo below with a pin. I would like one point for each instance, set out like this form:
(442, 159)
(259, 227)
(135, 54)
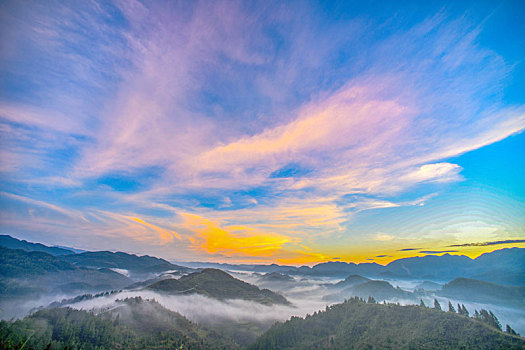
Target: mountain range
(504, 266)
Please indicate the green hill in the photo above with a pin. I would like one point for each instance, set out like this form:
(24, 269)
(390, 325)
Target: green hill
(355, 324)
(26, 277)
(131, 324)
(486, 292)
(351, 280)
(20, 263)
(275, 277)
(217, 284)
(380, 290)
(428, 286)
(120, 260)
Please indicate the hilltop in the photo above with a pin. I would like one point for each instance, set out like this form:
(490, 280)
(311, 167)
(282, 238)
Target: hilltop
(355, 324)
(217, 284)
(7, 241)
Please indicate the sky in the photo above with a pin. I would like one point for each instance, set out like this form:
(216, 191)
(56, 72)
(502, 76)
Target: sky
(291, 132)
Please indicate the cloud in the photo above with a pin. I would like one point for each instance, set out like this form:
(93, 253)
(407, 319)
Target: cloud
(237, 240)
(165, 234)
(408, 249)
(437, 251)
(383, 237)
(23, 213)
(441, 172)
(382, 256)
(203, 104)
(484, 244)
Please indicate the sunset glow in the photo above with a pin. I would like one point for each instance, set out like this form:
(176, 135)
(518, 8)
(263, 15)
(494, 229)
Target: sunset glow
(232, 132)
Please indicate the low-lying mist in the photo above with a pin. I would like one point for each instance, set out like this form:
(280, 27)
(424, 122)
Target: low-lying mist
(306, 295)
(205, 310)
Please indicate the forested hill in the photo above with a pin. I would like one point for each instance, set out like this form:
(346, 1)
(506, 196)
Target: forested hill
(7, 241)
(356, 324)
(132, 324)
(217, 284)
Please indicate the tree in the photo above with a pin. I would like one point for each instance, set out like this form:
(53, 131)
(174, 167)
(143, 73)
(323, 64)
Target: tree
(421, 303)
(495, 320)
(371, 300)
(489, 318)
(511, 331)
(437, 305)
(451, 307)
(464, 310)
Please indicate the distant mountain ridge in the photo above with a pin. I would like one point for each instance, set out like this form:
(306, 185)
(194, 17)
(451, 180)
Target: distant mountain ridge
(96, 259)
(120, 260)
(7, 241)
(485, 292)
(505, 266)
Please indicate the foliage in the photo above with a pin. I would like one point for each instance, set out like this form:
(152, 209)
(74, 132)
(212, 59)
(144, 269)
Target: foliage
(356, 324)
(135, 324)
(218, 284)
(19, 263)
(437, 305)
(7, 241)
(141, 264)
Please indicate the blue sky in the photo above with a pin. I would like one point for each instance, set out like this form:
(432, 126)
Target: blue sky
(292, 132)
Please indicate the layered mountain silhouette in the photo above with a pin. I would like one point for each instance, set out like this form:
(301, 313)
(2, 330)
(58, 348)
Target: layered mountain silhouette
(504, 266)
(7, 241)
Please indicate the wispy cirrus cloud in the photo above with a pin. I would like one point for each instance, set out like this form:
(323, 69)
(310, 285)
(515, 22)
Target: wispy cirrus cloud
(484, 244)
(238, 115)
(437, 251)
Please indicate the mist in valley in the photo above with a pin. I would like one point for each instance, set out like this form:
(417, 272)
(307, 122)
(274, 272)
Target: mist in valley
(306, 295)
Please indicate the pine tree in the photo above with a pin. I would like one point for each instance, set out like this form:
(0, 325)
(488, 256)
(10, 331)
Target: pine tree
(437, 305)
(510, 330)
(451, 307)
(495, 321)
(460, 311)
(464, 310)
(421, 303)
(371, 300)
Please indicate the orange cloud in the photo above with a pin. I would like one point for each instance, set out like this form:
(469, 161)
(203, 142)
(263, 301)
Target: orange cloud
(301, 258)
(234, 240)
(164, 234)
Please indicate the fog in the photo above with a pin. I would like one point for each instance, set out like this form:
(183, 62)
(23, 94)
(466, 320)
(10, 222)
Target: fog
(305, 294)
(202, 309)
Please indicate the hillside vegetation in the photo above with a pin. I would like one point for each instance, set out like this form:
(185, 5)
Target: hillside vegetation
(218, 284)
(133, 324)
(356, 324)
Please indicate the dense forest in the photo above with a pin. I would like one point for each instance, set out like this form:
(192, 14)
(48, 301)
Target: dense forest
(356, 324)
(134, 324)
(217, 284)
